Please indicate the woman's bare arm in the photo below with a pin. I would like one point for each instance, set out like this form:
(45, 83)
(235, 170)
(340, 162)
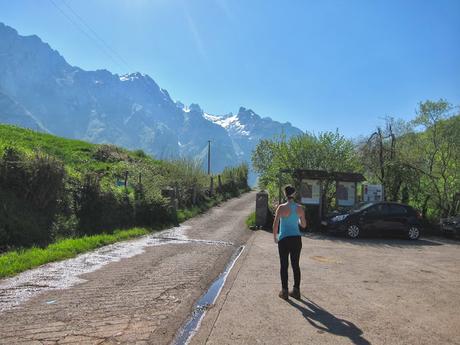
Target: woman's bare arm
(301, 214)
(276, 224)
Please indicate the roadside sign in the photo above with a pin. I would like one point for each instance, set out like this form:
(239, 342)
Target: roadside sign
(372, 192)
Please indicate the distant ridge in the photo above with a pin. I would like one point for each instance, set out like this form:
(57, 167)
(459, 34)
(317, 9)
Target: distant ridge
(40, 90)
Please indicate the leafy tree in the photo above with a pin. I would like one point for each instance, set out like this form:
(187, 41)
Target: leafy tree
(417, 161)
(438, 153)
(383, 157)
(328, 151)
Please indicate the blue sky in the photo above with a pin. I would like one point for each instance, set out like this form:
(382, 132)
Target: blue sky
(321, 65)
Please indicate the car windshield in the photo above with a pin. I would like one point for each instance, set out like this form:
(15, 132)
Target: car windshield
(361, 206)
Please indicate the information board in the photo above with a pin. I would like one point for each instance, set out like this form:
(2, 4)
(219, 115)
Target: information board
(310, 192)
(372, 192)
(345, 193)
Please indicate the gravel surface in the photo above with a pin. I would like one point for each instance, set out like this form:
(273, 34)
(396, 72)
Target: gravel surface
(365, 291)
(141, 296)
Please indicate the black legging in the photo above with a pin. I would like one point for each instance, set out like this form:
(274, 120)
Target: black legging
(290, 245)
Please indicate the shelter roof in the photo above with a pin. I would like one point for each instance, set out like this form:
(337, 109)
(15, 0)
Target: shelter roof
(325, 175)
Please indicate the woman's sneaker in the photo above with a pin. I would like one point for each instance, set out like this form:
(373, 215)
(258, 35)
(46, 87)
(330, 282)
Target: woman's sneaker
(284, 294)
(295, 293)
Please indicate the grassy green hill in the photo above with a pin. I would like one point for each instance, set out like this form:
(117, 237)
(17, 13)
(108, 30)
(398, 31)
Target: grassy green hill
(51, 187)
(69, 196)
(77, 156)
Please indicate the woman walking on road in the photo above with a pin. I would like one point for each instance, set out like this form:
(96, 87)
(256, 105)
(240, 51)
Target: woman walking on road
(287, 234)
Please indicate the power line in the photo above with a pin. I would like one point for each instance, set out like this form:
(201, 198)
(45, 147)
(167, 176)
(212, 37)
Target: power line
(79, 27)
(100, 42)
(99, 38)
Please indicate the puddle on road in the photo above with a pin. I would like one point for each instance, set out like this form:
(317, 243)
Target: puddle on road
(188, 330)
(64, 274)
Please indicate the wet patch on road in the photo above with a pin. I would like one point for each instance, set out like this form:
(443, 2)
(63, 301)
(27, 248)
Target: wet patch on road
(206, 301)
(219, 243)
(64, 274)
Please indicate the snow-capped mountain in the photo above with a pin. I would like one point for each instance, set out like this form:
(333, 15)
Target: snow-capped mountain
(40, 90)
(247, 128)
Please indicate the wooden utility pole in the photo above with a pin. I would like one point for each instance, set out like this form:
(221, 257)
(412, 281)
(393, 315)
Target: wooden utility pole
(209, 157)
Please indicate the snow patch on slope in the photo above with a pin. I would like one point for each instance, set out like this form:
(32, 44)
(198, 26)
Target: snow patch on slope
(229, 122)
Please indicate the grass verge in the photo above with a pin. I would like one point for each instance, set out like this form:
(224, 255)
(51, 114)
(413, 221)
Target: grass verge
(18, 261)
(251, 220)
(184, 214)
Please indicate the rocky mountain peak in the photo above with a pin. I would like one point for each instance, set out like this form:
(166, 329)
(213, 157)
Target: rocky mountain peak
(40, 90)
(7, 31)
(195, 108)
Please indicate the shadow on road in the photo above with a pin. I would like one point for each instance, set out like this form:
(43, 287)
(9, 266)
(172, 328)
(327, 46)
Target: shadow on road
(380, 241)
(326, 322)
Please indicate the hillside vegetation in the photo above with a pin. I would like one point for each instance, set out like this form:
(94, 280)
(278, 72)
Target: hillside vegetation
(52, 187)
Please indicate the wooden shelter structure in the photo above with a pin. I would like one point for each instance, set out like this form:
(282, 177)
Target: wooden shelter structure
(345, 183)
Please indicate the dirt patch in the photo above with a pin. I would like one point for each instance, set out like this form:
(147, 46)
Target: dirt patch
(325, 259)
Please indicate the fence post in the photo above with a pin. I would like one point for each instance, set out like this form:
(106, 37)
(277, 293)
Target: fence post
(177, 194)
(219, 183)
(194, 195)
(170, 194)
(211, 186)
(126, 179)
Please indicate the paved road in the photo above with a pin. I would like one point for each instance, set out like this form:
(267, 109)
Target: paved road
(367, 291)
(143, 299)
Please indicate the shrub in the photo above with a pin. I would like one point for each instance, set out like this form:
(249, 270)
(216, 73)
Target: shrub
(150, 208)
(109, 153)
(235, 180)
(30, 190)
(100, 211)
(140, 154)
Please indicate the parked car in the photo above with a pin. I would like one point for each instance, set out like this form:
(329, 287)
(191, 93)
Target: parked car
(383, 217)
(450, 226)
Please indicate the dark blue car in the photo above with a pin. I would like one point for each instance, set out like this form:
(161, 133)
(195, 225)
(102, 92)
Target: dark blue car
(378, 217)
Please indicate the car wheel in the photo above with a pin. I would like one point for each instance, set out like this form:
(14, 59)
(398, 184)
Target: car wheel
(413, 233)
(353, 231)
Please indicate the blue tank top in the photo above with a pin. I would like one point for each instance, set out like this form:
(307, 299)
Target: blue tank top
(289, 226)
